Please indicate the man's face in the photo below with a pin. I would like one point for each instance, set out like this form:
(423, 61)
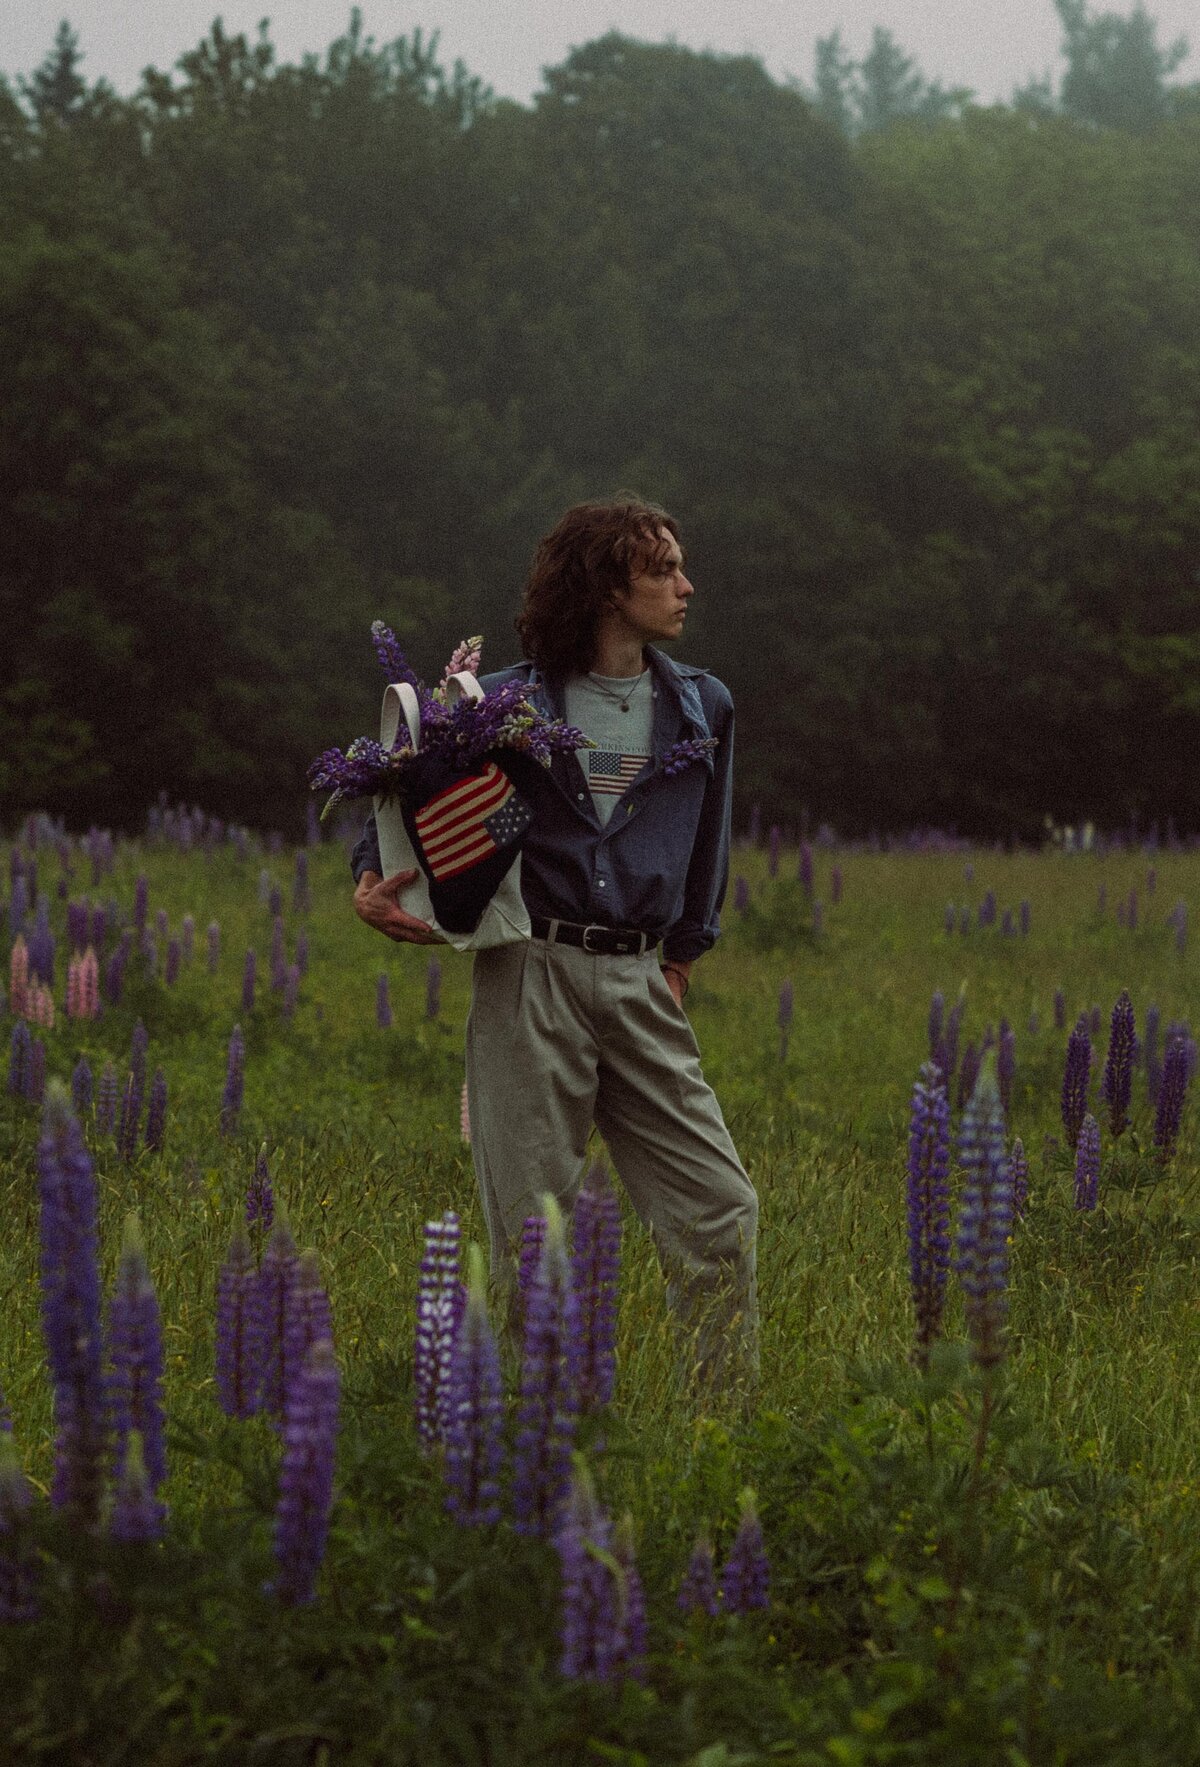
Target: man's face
(655, 604)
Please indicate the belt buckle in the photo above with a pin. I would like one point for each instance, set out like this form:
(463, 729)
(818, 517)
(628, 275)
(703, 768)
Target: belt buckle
(593, 928)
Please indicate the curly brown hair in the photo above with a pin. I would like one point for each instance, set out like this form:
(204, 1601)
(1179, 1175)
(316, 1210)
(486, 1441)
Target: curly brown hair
(593, 551)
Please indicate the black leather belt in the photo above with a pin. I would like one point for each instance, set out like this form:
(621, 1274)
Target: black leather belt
(603, 941)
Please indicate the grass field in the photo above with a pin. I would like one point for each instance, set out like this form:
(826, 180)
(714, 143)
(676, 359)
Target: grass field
(1046, 1611)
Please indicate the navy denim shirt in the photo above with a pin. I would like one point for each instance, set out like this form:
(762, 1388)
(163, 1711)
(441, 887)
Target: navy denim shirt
(661, 865)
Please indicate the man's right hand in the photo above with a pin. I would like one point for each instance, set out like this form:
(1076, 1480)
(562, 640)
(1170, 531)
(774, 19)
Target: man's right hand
(375, 902)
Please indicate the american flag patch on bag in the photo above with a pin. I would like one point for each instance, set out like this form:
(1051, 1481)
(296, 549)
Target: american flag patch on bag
(609, 771)
(469, 821)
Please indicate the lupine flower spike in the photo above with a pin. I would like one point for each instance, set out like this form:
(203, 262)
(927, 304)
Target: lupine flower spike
(156, 1114)
(547, 1406)
(306, 1476)
(929, 1205)
(136, 1361)
(238, 1351)
(985, 1220)
(595, 1267)
(474, 1429)
(746, 1575)
(137, 1514)
(437, 1289)
(1019, 1167)
(1087, 1164)
(260, 1197)
(1076, 1076)
(533, 1237)
(698, 1592)
(1117, 1085)
(231, 1101)
(70, 1282)
(272, 1298)
(603, 1615)
(1171, 1093)
(309, 1319)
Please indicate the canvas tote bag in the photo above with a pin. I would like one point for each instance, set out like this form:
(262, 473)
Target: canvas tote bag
(462, 833)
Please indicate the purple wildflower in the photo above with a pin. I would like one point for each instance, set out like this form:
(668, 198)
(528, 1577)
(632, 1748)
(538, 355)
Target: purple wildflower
(533, 1237)
(546, 1412)
(309, 1318)
(20, 1053)
(1087, 1164)
(1025, 919)
(437, 1287)
(187, 938)
(433, 988)
(741, 894)
(603, 1615)
(306, 1475)
(70, 1283)
(129, 1125)
(156, 1114)
(1008, 926)
(383, 1004)
(272, 1302)
(784, 1017)
(631, 1600)
(136, 1361)
(969, 1073)
(475, 1422)
(249, 976)
(681, 755)
(108, 1093)
(81, 1087)
(1117, 1084)
(260, 1197)
(746, 1575)
(929, 1205)
(138, 1516)
(392, 659)
(698, 1592)
(238, 1358)
(987, 909)
(1018, 1165)
(42, 946)
(18, 1558)
(141, 900)
(985, 1220)
(301, 964)
(235, 1080)
(1171, 1094)
(1006, 1064)
(595, 1269)
(278, 958)
(1076, 1079)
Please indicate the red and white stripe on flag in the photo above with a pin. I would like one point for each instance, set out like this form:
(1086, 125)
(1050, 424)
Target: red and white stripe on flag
(451, 826)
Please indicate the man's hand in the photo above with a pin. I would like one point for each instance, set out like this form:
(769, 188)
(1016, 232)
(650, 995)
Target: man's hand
(676, 974)
(375, 902)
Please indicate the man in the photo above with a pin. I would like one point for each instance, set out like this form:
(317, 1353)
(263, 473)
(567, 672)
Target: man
(629, 846)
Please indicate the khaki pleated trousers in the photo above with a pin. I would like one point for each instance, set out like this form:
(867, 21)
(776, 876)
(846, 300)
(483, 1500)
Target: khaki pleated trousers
(559, 1039)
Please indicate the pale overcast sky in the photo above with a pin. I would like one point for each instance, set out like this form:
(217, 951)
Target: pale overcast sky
(988, 45)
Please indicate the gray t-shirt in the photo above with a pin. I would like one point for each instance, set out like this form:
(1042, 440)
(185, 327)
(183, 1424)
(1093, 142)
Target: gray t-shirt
(624, 740)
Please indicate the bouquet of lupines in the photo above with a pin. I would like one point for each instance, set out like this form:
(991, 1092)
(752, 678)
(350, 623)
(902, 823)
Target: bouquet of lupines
(462, 733)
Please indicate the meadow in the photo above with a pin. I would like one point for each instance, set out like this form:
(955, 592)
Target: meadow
(1036, 1605)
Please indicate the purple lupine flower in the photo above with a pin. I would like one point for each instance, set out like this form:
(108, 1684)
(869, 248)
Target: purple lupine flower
(162, 923)
(301, 893)
(101, 918)
(235, 1080)
(275, 902)
(1008, 926)
(546, 1411)
(41, 946)
(1076, 1079)
(805, 870)
(1171, 1094)
(238, 1351)
(306, 1475)
(1150, 1053)
(214, 946)
(114, 974)
(136, 1361)
(937, 1011)
(1026, 916)
(278, 959)
(309, 1318)
(249, 976)
(141, 901)
(741, 894)
(1006, 1064)
(433, 988)
(594, 1635)
(70, 1284)
(774, 842)
(784, 1017)
(138, 1516)
(20, 1055)
(746, 1574)
(81, 1087)
(1087, 1164)
(272, 1299)
(187, 938)
(437, 1289)
(985, 1220)
(301, 964)
(1018, 1165)
(533, 1237)
(595, 1271)
(835, 885)
(987, 909)
(631, 1613)
(156, 1113)
(1060, 1010)
(260, 1197)
(929, 1205)
(18, 1557)
(1117, 1084)
(698, 1592)
(392, 659)
(968, 1074)
(78, 916)
(383, 1004)
(475, 1422)
(139, 1045)
(18, 906)
(291, 991)
(130, 1122)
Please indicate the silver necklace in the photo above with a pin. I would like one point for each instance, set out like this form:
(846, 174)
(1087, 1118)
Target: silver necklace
(621, 699)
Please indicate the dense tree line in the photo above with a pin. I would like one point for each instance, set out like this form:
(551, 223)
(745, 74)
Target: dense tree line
(290, 347)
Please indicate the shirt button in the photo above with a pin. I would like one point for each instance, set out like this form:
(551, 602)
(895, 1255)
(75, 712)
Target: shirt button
(600, 883)
(580, 796)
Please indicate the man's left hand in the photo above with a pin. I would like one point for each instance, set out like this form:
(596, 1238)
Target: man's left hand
(677, 980)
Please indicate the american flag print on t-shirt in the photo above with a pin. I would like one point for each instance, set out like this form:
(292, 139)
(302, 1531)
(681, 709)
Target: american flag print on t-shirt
(609, 771)
(470, 821)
